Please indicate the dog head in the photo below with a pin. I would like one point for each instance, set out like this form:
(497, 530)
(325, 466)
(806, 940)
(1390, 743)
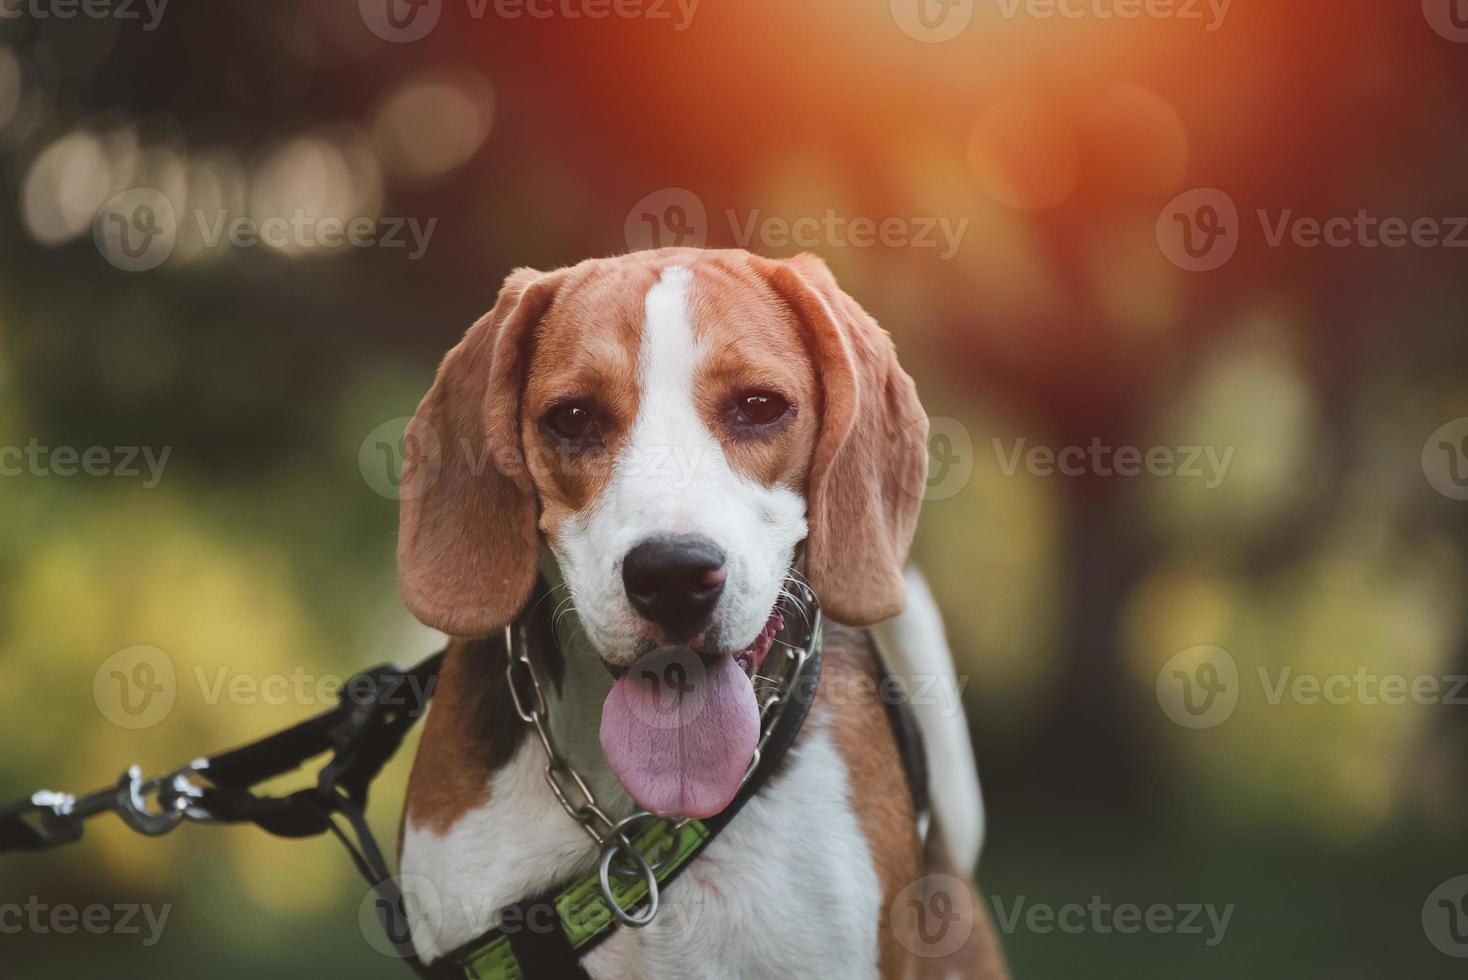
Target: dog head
(673, 425)
(682, 430)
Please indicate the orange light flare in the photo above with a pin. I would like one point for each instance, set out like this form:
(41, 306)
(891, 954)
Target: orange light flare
(1076, 130)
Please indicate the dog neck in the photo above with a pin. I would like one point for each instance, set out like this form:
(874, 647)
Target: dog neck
(574, 705)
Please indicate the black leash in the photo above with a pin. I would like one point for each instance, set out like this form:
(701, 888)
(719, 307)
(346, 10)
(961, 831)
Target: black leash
(374, 712)
(376, 709)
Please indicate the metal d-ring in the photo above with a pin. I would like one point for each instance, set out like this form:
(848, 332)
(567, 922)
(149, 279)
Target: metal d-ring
(603, 871)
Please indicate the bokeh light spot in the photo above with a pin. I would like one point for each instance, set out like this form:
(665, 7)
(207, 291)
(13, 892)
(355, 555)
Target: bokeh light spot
(332, 173)
(433, 124)
(1136, 142)
(1023, 152)
(64, 187)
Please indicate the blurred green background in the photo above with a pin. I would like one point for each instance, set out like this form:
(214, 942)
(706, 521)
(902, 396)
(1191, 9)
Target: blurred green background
(277, 376)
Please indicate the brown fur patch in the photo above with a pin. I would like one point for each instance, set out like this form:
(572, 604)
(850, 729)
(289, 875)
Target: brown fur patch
(466, 526)
(472, 727)
(879, 791)
(869, 467)
(752, 340)
(862, 732)
(585, 349)
(471, 730)
(980, 957)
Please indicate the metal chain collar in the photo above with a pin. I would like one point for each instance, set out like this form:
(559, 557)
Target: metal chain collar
(618, 855)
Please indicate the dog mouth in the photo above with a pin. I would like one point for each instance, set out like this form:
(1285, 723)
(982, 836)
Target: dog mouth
(748, 659)
(680, 727)
(751, 657)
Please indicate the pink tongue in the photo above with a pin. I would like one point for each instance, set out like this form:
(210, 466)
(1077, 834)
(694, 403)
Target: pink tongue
(679, 731)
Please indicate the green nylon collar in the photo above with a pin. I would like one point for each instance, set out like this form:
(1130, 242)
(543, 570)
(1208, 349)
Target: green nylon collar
(581, 910)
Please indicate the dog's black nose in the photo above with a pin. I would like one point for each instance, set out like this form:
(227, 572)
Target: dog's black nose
(674, 582)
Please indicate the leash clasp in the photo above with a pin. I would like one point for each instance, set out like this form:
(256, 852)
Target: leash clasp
(174, 794)
(149, 806)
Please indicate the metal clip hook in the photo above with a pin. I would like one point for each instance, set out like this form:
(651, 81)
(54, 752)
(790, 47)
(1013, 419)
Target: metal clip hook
(132, 802)
(61, 816)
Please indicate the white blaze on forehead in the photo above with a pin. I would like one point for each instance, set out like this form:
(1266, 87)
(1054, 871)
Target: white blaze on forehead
(669, 439)
(672, 477)
(669, 352)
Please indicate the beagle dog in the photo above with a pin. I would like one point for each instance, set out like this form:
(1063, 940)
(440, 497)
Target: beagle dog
(657, 445)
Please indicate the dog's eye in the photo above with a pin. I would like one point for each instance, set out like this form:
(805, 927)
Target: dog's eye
(760, 408)
(573, 420)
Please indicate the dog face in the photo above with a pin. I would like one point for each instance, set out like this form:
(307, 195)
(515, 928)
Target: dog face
(672, 425)
(668, 422)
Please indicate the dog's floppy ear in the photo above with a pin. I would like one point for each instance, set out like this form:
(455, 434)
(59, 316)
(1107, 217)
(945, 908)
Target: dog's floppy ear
(870, 463)
(467, 541)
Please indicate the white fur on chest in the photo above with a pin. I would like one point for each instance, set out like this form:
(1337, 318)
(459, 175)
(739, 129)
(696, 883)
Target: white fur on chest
(788, 889)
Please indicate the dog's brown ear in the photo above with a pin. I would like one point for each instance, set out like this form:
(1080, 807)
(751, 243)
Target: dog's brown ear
(467, 541)
(870, 463)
